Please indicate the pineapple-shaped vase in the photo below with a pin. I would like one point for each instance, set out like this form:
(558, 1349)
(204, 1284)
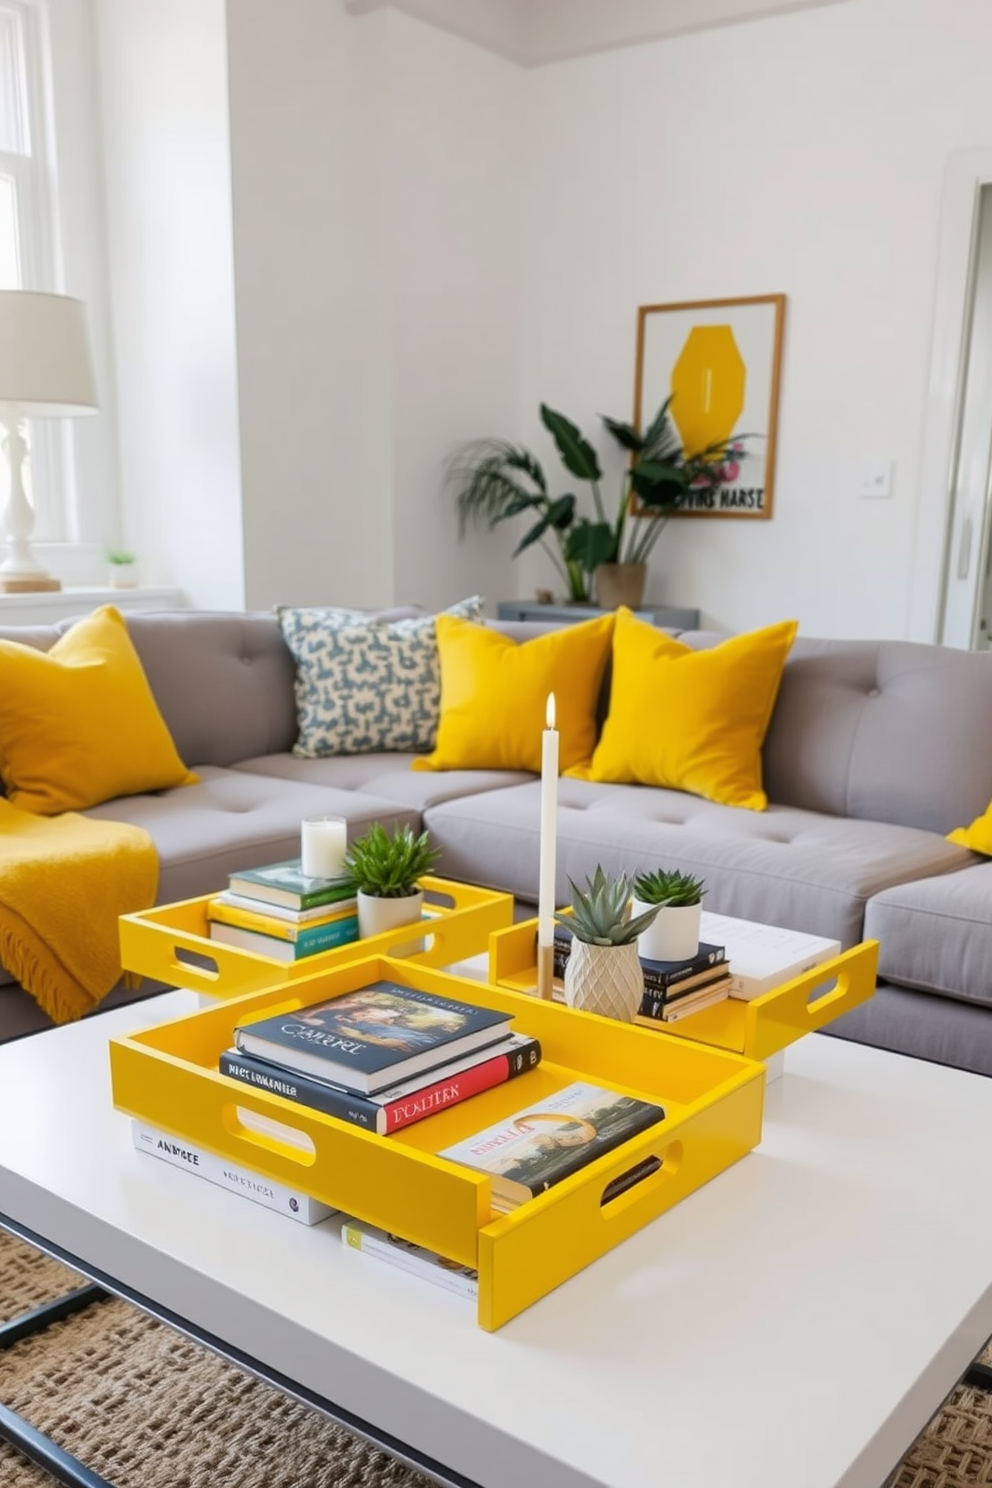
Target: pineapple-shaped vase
(604, 979)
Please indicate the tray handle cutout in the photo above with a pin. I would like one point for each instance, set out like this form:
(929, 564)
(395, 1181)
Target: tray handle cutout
(641, 1180)
(187, 960)
(271, 1135)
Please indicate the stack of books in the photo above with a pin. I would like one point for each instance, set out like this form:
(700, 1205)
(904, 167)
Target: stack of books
(672, 989)
(279, 911)
(381, 1057)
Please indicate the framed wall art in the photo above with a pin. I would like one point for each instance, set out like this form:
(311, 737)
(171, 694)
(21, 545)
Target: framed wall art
(719, 361)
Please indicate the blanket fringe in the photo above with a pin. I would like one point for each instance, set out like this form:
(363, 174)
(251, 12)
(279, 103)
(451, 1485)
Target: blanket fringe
(56, 992)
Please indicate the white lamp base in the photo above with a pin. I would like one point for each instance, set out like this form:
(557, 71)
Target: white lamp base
(20, 571)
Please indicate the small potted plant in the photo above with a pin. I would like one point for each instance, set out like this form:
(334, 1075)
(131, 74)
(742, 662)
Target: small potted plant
(122, 569)
(678, 899)
(603, 971)
(386, 868)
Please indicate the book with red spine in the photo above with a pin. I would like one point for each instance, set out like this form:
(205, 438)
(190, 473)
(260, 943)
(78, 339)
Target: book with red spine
(401, 1105)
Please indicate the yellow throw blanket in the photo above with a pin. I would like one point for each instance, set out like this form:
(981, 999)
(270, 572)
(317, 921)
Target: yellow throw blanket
(64, 880)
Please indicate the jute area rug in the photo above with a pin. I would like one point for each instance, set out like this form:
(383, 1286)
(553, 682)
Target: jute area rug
(148, 1409)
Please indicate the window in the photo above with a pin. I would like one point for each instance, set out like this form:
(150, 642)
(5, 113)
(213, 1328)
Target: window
(26, 260)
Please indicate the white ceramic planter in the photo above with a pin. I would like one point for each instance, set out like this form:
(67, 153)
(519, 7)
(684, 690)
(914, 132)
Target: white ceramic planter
(375, 916)
(122, 575)
(604, 979)
(674, 933)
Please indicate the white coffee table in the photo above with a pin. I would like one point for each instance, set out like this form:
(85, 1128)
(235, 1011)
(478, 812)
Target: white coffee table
(791, 1325)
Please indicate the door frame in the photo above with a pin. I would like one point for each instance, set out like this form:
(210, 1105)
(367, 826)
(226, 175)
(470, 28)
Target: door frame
(967, 171)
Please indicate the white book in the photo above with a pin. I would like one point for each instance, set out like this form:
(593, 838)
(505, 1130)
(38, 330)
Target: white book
(764, 956)
(409, 1257)
(203, 1164)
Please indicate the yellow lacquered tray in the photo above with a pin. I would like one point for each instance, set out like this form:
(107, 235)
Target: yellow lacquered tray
(172, 943)
(168, 1077)
(757, 1029)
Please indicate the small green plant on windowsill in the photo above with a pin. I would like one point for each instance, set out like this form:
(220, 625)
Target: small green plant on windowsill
(118, 557)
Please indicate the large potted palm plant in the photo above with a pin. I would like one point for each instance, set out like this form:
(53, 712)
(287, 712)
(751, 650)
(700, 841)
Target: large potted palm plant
(493, 480)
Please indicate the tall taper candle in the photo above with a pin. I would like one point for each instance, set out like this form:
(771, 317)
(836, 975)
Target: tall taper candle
(546, 867)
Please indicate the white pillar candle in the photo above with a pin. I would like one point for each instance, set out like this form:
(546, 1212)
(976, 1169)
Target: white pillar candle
(548, 845)
(323, 844)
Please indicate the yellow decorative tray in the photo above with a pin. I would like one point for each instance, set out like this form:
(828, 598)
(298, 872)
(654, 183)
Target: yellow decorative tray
(712, 1099)
(172, 943)
(757, 1029)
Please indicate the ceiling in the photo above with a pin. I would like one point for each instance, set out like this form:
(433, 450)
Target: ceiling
(535, 32)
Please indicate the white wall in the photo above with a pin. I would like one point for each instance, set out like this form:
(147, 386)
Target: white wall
(802, 154)
(163, 89)
(376, 262)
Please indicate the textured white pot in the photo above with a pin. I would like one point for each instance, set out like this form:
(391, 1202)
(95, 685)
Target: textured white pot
(673, 935)
(378, 915)
(604, 979)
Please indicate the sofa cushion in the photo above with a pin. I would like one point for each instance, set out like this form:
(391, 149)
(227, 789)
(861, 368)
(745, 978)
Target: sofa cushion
(79, 723)
(894, 731)
(365, 684)
(386, 776)
(494, 695)
(223, 682)
(233, 820)
(793, 868)
(688, 719)
(935, 934)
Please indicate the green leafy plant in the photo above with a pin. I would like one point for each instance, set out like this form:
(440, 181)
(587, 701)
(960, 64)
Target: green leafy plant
(389, 865)
(601, 911)
(493, 480)
(118, 557)
(668, 888)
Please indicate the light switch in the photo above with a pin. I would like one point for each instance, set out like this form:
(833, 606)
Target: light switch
(875, 478)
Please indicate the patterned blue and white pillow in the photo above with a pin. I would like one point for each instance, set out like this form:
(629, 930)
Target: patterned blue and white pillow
(366, 684)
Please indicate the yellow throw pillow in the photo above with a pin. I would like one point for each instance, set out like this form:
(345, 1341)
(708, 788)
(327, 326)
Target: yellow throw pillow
(494, 695)
(690, 720)
(978, 836)
(79, 724)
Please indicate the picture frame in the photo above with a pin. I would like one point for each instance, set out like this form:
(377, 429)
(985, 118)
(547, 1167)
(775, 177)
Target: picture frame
(720, 360)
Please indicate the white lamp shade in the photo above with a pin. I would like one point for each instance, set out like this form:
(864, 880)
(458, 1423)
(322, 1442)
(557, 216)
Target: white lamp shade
(45, 364)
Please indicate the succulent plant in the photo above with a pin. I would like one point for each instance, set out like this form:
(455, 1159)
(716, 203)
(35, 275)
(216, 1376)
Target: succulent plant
(668, 889)
(388, 866)
(601, 912)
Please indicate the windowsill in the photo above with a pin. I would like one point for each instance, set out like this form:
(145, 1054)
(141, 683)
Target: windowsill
(49, 605)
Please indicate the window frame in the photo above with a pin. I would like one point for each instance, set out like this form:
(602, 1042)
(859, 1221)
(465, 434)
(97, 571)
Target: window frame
(25, 79)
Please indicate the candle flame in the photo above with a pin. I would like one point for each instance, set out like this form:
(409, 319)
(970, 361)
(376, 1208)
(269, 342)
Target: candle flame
(551, 710)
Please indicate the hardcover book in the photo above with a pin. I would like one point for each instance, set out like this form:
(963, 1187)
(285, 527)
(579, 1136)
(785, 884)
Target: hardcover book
(676, 999)
(373, 1037)
(281, 913)
(203, 1164)
(684, 1007)
(657, 974)
(414, 1259)
(286, 883)
(762, 957)
(400, 1105)
(307, 943)
(540, 1145)
(263, 918)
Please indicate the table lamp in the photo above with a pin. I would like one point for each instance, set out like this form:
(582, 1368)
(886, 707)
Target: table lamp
(45, 372)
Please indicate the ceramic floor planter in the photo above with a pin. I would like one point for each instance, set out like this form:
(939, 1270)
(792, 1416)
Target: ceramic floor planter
(604, 979)
(673, 935)
(620, 584)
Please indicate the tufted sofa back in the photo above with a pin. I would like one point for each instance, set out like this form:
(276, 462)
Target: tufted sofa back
(889, 731)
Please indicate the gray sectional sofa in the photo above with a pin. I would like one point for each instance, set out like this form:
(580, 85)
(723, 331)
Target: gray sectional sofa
(875, 751)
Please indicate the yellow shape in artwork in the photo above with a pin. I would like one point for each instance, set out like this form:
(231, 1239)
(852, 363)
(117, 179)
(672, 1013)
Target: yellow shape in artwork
(708, 387)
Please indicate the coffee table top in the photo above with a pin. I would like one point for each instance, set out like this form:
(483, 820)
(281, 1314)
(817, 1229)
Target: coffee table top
(791, 1325)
